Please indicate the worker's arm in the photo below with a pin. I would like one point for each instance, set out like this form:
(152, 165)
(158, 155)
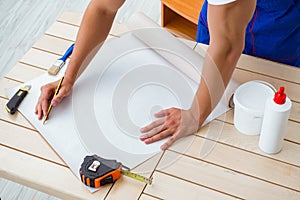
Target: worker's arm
(227, 27)
(94, 28)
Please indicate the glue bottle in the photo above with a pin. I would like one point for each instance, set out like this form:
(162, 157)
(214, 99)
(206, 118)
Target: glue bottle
(276, 115)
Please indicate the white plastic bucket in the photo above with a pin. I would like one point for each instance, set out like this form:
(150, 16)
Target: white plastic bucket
(249, 105)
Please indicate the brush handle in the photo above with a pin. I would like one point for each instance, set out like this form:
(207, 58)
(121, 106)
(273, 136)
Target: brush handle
(67, 53)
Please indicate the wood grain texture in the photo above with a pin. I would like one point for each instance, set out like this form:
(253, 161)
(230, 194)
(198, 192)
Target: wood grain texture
(63, 30)
(38, 58)
(7, 83)
(44, 176)
(293, 127)
(242, 161)
(132, 188)
(188, 9)
(31, 143)
(227, 134)
(170, 187)
(11, 190)
(52, 44)
(16, 118)
(262, 66)
(22, 72)
(291, 89)
(147, 197)
(222, 179)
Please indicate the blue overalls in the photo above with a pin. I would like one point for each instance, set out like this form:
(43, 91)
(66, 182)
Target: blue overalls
(273, 32)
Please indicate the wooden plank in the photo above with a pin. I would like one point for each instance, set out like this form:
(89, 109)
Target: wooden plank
(295, 111)
(22, 72)
(63, 30)
(44, 176)
(169, 187)
(221, 179)
(38, 58)
(230, 136)
(6, 83)
(274, 69)
(262, 66)
(71, 17)
(130, 188)
(55, 45)
(16, 118)
(292, 89)
(69, 32)
(31, 142)
(243, 161)
(74, 18)
(147, 197)
(291, 132)
(242, 76)
(182, 28)
(187, 9)
(52, 44)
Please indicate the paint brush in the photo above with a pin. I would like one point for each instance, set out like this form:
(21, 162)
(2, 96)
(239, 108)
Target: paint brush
(54, 69)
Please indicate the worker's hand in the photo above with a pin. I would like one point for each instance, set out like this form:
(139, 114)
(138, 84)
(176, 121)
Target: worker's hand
(47, 92)
(173, 122)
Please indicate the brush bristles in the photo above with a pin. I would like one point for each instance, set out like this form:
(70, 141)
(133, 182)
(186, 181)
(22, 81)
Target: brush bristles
(56, 67)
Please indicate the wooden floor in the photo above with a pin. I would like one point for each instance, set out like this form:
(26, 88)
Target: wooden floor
(13, 191)
(234, 169)
(22, 22)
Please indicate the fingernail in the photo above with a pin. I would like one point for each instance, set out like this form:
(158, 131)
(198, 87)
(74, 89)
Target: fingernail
(163, 147)
(148, 141)
(143, 137)
(53, 103)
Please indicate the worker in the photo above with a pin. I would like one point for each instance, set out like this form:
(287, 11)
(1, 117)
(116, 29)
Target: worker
(273, 32)
(227, 25)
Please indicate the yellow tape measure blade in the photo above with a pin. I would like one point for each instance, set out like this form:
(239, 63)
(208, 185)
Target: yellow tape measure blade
(137, 177)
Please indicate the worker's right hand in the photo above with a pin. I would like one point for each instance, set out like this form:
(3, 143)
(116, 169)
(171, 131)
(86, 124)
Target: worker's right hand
(47, 92)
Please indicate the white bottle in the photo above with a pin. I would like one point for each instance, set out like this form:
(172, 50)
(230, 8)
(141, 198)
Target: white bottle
(276, 115)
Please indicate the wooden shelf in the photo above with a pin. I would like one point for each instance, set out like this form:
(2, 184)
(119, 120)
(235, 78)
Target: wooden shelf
(182, 27)
(181, 17)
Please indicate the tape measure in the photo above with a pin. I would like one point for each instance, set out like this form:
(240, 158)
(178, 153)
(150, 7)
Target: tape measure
(96, 172)
(16, 100)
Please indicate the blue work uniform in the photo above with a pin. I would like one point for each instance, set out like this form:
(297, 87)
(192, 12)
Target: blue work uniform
(273, 32)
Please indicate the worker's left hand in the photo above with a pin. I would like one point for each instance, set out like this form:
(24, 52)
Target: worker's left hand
(173, 122)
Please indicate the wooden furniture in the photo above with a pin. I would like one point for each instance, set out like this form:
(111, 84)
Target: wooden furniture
(181, 17)
(234, 168)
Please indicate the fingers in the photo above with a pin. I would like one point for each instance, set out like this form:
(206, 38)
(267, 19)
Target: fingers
(158, 136)
(154, 130)
(47, 92)
(59, 97)
(152, 125)
(44, 105)
(167, 126)
(162, 113)
(161, 135)
(38, 111)
(170, 141)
